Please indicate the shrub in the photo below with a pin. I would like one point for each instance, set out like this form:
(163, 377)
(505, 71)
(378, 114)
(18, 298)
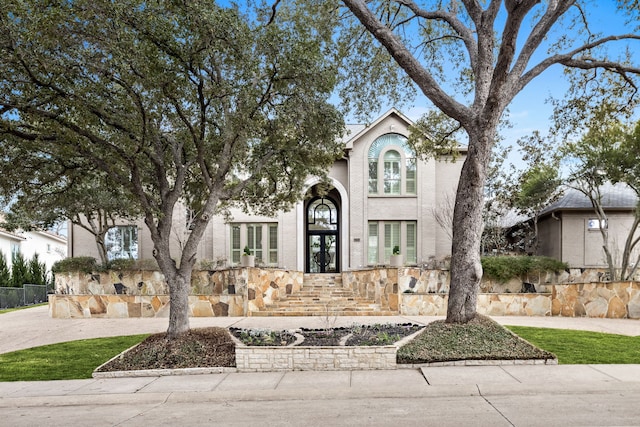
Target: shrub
(19, 271)
(120, 264)
(37, 271)
(84, 264)
(5, 274)
(505, 268)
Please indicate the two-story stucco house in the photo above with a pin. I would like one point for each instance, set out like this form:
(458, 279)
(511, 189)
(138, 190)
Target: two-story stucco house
(381, 196)
(50, 247)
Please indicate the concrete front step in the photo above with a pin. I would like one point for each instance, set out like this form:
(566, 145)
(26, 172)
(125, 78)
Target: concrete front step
(303, 313)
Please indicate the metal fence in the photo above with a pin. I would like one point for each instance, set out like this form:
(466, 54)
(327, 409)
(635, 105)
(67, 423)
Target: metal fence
(19, 297)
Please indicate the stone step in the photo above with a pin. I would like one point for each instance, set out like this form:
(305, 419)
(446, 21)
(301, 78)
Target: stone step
(304, 313)
(323, 295)
(301, 305)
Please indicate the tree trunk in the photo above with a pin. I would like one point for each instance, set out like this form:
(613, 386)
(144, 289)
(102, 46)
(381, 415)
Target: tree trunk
(466, 269)
(102, 249)
(179, 286)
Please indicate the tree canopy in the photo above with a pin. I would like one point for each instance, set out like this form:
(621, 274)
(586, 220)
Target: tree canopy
(607, 154)
(172, 102)
(470, 59)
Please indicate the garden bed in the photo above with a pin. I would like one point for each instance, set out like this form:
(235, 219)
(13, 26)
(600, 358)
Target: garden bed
(358, 347)
(356, 335)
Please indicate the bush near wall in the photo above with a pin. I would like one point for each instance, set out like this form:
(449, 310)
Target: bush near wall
(505, 268)
(88, 265)
(84, 264)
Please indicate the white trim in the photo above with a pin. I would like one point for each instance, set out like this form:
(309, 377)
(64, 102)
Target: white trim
(344, 225)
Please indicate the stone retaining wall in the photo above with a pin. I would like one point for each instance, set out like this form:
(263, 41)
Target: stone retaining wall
(238, 292)
(378, 284)
(618, 300)
(133, 306)
(488, 304)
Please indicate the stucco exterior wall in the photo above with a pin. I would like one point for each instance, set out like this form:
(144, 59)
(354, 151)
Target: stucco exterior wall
(569, 238)
(436, 181)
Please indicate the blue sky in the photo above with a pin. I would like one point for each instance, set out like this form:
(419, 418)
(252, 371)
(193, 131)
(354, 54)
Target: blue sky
(530, 111)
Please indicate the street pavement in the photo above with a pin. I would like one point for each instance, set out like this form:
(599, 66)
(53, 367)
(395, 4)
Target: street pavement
(505, 395)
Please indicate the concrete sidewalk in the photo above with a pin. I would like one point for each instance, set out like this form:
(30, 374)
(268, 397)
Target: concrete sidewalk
(514, 395)
(508, 395)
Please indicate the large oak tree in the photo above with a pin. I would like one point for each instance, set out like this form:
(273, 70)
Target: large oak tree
(470, 58)
(177, 101)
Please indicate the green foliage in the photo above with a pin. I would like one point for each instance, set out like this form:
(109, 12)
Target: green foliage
(434, 136)
(396, 250)
(120, 264)
(583, 347)
(505, 268)
(52, 362)
(84, 264)
(480, 339)
(19, 271)
(37, 271)
(5, 274)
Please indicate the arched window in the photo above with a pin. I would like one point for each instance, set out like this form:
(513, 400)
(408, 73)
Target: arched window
(391, 159)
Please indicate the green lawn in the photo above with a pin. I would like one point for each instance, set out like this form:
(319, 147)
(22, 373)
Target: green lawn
(78, 359)
(63, 361)
(582, 347)
(9, 310)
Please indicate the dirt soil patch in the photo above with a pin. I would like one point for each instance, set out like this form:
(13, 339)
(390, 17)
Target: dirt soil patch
(198, 348)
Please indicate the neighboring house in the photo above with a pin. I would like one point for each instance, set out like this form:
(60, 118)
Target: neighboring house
(381, 196)
(569, 228)
(50, 247)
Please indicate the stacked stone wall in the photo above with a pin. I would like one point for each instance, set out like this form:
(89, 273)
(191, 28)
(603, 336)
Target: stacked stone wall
(618, 300)
(233, 292)
(378, 284)
(408, 291)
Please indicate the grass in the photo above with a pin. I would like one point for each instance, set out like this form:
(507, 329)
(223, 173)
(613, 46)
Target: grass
(9, 310)
(583, 347)
(480, 339)
(63, 361)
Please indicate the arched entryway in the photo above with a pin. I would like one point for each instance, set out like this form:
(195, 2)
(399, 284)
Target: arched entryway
(322, 235)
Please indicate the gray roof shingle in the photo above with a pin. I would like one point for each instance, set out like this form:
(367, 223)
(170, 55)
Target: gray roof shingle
(618, 196)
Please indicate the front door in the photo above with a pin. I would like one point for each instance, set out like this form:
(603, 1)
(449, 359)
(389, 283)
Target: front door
(323, 250)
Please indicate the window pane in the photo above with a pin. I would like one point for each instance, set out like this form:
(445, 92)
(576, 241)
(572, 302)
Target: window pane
(372, 252)
(373, 176)
(410, 251)
(411, 176)
(273, 244)
(254, 240)
(391, 238)
(122, 242)
(392, 172)
(235, 244)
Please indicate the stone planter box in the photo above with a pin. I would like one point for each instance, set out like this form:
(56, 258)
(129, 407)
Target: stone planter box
(317, 358)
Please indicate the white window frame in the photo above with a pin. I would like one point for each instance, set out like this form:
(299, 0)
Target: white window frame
(129, 252)
(382, 236)
(595, 224)
(377, 163)
(259, 237)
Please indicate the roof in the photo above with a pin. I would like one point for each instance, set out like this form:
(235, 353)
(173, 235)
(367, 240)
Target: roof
(614, 197)
(12, 236)
(355, 131)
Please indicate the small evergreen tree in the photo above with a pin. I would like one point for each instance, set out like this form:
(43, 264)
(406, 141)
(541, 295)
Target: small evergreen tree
(5, 274)
(37, 271)
(19, 271)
